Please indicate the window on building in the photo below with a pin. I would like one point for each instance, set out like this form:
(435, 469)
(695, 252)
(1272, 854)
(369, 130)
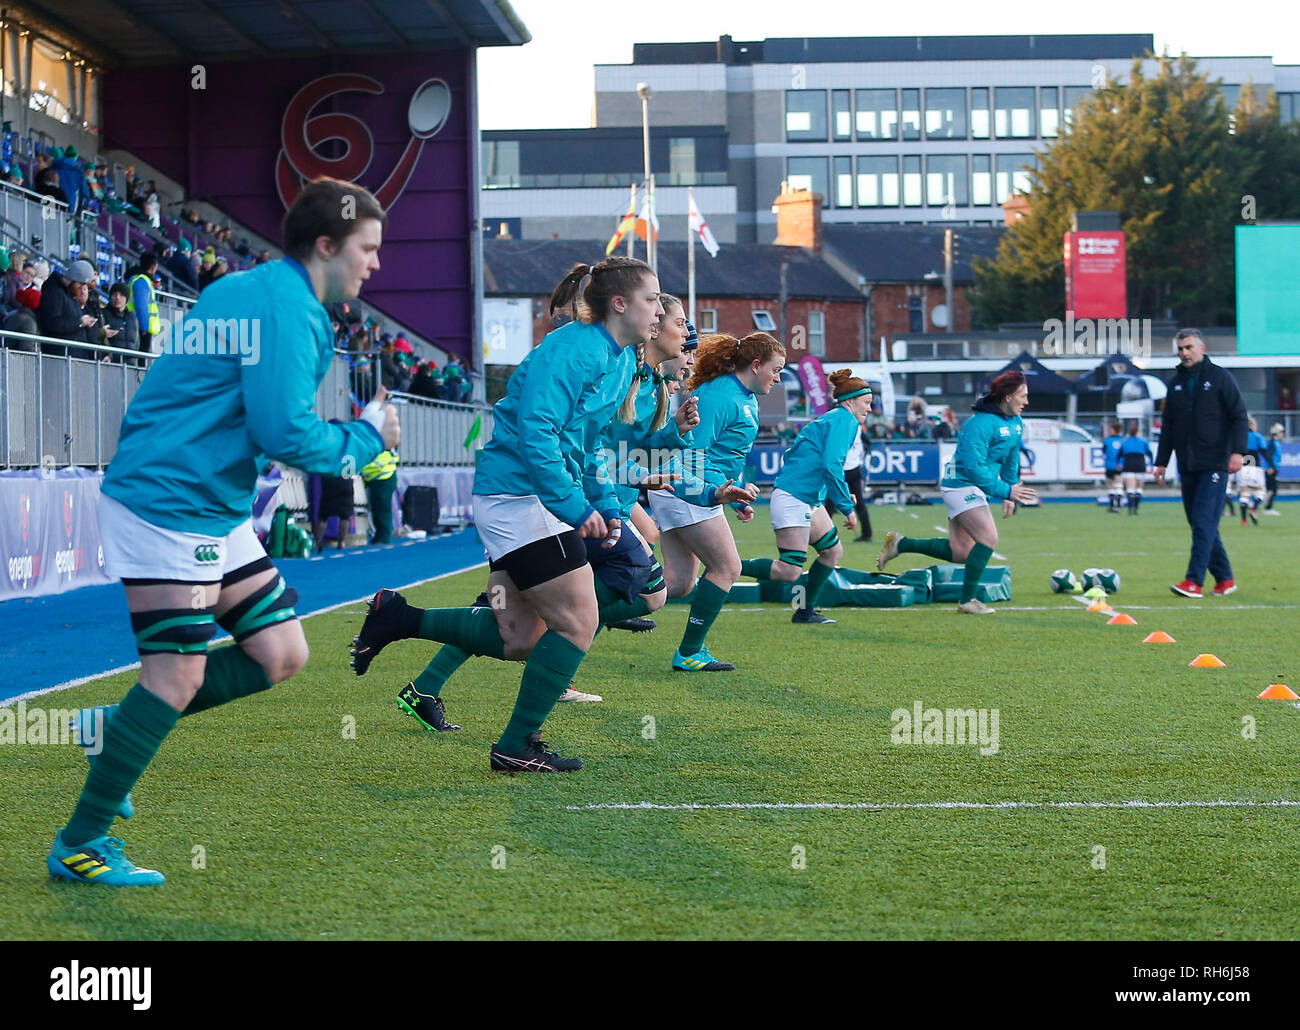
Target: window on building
(1289, 105)
(877, 182)
(945, 180)
(911, 119)
(1230, 94)
(915, 315)
(945, 114)
(841, 115)
(817, 333)
(979, 113)
(1072, 96)
(877, 114)
(1012, 176)
(911, 182)
(981, 176)
(805, 115)
(1013, 112)
(681, 161)
(763, 321)
(843, 186)
(706, 320)
(500, 163)
(1049, 117)
(808, 173)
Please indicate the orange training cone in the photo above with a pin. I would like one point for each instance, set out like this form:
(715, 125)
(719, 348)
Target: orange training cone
(1158, 637)
(1122, 619)
(1205, 661)
(1279, 692)
(1099, 606)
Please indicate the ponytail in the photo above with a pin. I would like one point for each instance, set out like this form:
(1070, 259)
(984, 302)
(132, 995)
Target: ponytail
(588, 288)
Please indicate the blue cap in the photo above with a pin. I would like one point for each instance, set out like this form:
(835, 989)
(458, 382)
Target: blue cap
(692, 337)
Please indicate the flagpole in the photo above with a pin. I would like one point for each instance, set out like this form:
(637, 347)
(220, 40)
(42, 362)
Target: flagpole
(690, 253)
(631, 233)
(652, 243)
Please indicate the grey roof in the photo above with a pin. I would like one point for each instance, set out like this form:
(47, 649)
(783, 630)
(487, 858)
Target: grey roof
(532, 268)
(856, 49)
(136, 32)
(905, 253)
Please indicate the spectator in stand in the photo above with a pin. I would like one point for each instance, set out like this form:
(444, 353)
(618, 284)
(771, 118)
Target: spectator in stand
(946, 428)
(457, 382)
(143, 301)
(60, 314)
(47, 185)
(391, 372)
(1285, 399)
(422, 384)
(15, 176)
(877, 427)
(916, 406)
(207, 265)
(120, 327)
(181, 267)
(71, 177)
(263, 257)
(152, 206)
(20, 320)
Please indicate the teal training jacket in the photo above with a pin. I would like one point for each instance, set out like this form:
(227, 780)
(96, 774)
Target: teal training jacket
(814, 464)
(721, 443)
(237, 380)
(545, 433)
(988, 452)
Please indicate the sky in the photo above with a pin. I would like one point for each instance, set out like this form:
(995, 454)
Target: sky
(549, 83)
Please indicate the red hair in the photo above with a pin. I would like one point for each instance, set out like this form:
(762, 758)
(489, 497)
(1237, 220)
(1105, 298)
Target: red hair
(1005, 385)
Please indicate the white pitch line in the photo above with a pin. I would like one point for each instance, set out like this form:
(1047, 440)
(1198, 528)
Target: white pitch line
(9, 701)
(818, 806)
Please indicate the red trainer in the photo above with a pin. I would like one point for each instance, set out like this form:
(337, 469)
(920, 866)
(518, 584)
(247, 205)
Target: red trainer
(1225, 588)
(1188, 589)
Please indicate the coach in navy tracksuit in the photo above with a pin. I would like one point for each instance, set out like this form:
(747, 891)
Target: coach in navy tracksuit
(1205, 425)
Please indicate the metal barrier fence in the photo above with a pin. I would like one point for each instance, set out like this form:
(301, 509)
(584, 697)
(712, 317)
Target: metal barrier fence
(42, 221)
(60, 409)
(435, 432)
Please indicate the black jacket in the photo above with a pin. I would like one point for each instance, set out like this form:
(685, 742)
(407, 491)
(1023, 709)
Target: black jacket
(128, 336)
(1204, 420)
(60, 316)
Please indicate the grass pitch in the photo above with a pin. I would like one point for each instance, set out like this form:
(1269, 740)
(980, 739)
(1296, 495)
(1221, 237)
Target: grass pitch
(272, 821)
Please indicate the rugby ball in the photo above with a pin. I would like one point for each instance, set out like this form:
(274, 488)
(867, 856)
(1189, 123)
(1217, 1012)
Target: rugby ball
(1064, 581)
(1101, 579)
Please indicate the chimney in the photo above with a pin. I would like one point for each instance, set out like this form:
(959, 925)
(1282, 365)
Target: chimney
(798, 218)
(1015, 208)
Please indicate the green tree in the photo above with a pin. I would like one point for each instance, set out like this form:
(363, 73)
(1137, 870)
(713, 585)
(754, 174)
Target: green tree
(1164, 153)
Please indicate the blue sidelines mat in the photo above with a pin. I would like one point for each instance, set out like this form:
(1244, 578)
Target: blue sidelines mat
(62, 637)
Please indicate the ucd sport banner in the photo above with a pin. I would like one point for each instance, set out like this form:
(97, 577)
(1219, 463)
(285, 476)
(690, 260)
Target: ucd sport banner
(891, 461)
(49, 532)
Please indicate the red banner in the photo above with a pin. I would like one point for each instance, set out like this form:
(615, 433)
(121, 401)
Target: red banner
(1095, 275)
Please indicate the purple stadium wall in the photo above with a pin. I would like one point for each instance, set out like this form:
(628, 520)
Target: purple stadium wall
(225, 142)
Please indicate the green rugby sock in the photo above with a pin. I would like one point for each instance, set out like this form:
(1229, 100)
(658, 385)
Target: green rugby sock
(443, 666)
(547, 674)
(131, 739)
(230, 674)
(975, 562)
(617, 611)
(706, 602)
(759, 568)
(934, 546)
(817, 577)
(473, 630)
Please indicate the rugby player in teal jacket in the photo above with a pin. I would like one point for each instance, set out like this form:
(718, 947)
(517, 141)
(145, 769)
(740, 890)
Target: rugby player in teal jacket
(812, 470)
(236, 380)
(728, 376)
(532, 512)
(985, 465)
